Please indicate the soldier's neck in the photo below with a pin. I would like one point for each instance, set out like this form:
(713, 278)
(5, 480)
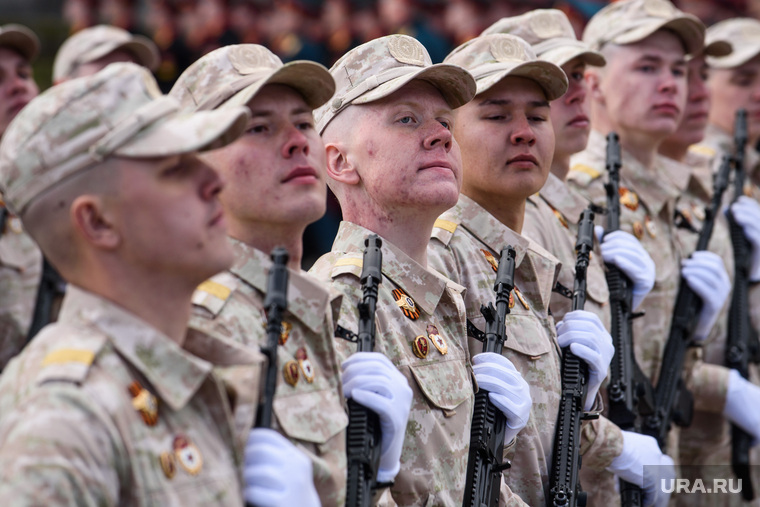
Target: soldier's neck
(507, 210)
(560, 165)
(267, 236)
(639, 144)
(674, 151)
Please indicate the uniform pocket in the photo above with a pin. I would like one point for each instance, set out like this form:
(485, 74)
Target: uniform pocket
(526, 336)
(446, 384)
(315, 416)
(596, 283)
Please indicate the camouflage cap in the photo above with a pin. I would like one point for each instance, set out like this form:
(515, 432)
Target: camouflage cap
(744, 34)
(232, 75)
(117, 112)
(629, 21)
(550, 34)
(96, 42)
(21, 39)
(491, 58)
(380, 67)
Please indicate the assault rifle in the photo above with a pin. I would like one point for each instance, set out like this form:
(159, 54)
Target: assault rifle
(564, 482)
(363, 433)
(741, 343)
(52, 287)
(484, 462)
(629, 391)
(673, 402)
(275, 304)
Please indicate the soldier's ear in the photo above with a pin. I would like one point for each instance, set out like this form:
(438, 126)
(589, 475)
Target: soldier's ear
(340, 166)
(92, 222)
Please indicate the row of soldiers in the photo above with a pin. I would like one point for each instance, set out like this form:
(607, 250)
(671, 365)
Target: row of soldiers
(161, 210)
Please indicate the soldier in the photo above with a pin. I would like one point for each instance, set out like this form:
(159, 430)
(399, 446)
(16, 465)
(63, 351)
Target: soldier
(552, 215)
(116, 403)
(275, 175)
(20, 259)
(394, 166)
(641, 95)
(91, 49)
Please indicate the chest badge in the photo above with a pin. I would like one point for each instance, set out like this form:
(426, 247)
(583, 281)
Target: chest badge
(561, 218)
(420, 346)
(638, 230)
(290, 372)
(495, 265)
(167, 464)
(188, 455)
(303, 362)
(651, 226)
(145, 403)
(436, 339)
(406, 304)
(520, 297)
(628, 198)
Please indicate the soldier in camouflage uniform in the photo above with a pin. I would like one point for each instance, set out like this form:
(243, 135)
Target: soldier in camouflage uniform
(552, 214)
(646, 41)
(91, 49)
(20, 259)
(707, 440)
(394, 167)
(116, 404)
(276, 187)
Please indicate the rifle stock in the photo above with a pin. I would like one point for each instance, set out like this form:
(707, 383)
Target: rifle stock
(564, 481)
(739, 342)
(52, 286)
(363, 432)
(484, 462)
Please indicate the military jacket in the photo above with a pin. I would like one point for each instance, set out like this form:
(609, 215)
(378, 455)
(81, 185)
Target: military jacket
(421, 329)
(102, 409)
(465, 244)
(551, 220)
(308, 403)
(20, 271)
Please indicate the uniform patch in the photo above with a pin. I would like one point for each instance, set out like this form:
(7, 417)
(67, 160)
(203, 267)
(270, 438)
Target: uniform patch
(145, 403)
(436, 339)
(303, 362)
(420, 346)
(406, 304)
(187, 454)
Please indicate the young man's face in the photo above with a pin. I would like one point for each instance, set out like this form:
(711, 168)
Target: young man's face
(507, 141)
(692, 127)
(733, 89)
(404, 151)
(17, 86)
(274, 174)
(643, 88)
(570, 112)
(170, 218)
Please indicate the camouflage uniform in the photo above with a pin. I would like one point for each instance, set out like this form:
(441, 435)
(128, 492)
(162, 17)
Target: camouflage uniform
(434, 457)
(648, 214)
(464, 241)
(20, 271)
(157, 419)
(310, 412)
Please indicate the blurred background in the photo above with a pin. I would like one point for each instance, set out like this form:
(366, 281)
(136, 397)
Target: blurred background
(319, 30)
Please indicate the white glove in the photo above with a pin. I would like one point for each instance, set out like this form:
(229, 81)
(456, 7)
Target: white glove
(624, 251)
(640, 450)
(706, 275)
(584, 333)
(371, 380)
(277, 473)
(743, 405)
(507, 389)
(746, 212)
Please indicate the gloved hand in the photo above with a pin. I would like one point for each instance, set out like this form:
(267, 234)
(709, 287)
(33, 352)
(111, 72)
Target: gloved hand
(371, 380)
(507, 389)
(706, 275)
(624, 251)
(746, 212)
(584, 333)
(640, 450)
(743, 405)
(277, 473)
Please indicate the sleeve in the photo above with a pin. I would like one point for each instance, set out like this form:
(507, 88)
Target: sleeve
(601, 442)
(58, 448)
(709, 385)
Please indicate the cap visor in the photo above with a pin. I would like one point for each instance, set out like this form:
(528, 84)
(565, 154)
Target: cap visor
(691, 31)
(739, 56)
(563, 55)
(547, 75)
(310, 79)
(185, 133)
(456, 85)
(23, 42)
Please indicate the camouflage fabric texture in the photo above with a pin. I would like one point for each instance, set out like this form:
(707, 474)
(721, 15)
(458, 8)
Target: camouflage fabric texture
(20, 271)
(465, 242)
(308, 404)
(421, 328)
(102, 409)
